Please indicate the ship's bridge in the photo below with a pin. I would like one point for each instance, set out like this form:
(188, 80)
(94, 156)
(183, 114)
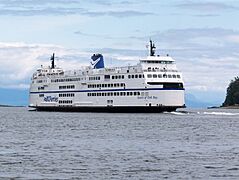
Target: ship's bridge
(158, 63)
(47, 71)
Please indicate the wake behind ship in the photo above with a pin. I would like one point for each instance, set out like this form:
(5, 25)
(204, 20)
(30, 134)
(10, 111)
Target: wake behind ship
(153, 85)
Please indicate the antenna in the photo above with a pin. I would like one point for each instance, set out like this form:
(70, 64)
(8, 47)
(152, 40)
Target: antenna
(53, 61)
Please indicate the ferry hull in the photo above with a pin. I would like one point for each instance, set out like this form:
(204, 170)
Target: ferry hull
(111, 109)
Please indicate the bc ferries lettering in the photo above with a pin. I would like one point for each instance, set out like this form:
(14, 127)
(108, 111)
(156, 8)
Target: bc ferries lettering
(148, 97)
(50, 99)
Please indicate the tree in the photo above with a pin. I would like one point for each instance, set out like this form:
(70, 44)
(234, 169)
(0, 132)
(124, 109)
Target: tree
(232, 97)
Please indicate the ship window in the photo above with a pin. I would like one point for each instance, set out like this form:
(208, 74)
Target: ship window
(178, 76)
(41, 95)
(113, 77)
(117, 93)
(132, 76)
(122, 84)
(149, 75)
(174, 76)
(107, 76)
(173, 85)
(127, 93)
(111, 94)
(135, 93)
(122, 76)
(169, 76)
(136, 76)
(165, 76)
(154, 75)
(112, 85)
(160, 75)
(131, 93)
(140, 75)
(129, 76)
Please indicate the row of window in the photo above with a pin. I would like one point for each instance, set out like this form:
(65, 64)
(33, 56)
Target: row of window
(41, 81)
(106, 85)
(132, 76)
(94, 78)
(66, 80)
(118, 77)
(163, 76)
(67, 87)
(168, 85)
(41, 88)
(158, 62)
(65, 101)
(114, 94)
(67, 95)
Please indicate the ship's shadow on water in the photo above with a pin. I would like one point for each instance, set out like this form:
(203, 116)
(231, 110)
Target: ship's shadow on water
(186, 144)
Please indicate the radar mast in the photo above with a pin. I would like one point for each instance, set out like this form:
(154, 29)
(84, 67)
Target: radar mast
(53, 61)
(151, 48)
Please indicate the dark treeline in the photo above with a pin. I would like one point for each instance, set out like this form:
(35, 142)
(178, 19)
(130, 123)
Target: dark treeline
(232, 97)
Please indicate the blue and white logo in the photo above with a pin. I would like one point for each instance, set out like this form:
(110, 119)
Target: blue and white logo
(97, 61)
(50, 99)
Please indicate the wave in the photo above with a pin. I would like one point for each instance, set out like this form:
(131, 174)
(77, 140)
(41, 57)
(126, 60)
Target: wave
(177, 112)
(221, 113)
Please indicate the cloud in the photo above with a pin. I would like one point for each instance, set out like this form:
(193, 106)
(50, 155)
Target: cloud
(65, 7)
(20, 60)
(119, 14)
(206, 6)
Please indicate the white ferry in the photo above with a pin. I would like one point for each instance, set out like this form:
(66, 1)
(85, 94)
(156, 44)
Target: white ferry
(153, 85)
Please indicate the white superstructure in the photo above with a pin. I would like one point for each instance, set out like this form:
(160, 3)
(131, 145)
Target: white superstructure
(153, 85)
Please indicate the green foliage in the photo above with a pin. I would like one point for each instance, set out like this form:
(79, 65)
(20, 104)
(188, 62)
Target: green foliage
(232, 97)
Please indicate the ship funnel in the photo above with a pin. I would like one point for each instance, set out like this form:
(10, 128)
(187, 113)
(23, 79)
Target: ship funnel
(97, 61)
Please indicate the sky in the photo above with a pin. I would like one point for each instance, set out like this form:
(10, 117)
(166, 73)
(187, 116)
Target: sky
(202, 36)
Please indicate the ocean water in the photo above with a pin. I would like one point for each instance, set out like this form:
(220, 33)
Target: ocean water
(188, 144)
